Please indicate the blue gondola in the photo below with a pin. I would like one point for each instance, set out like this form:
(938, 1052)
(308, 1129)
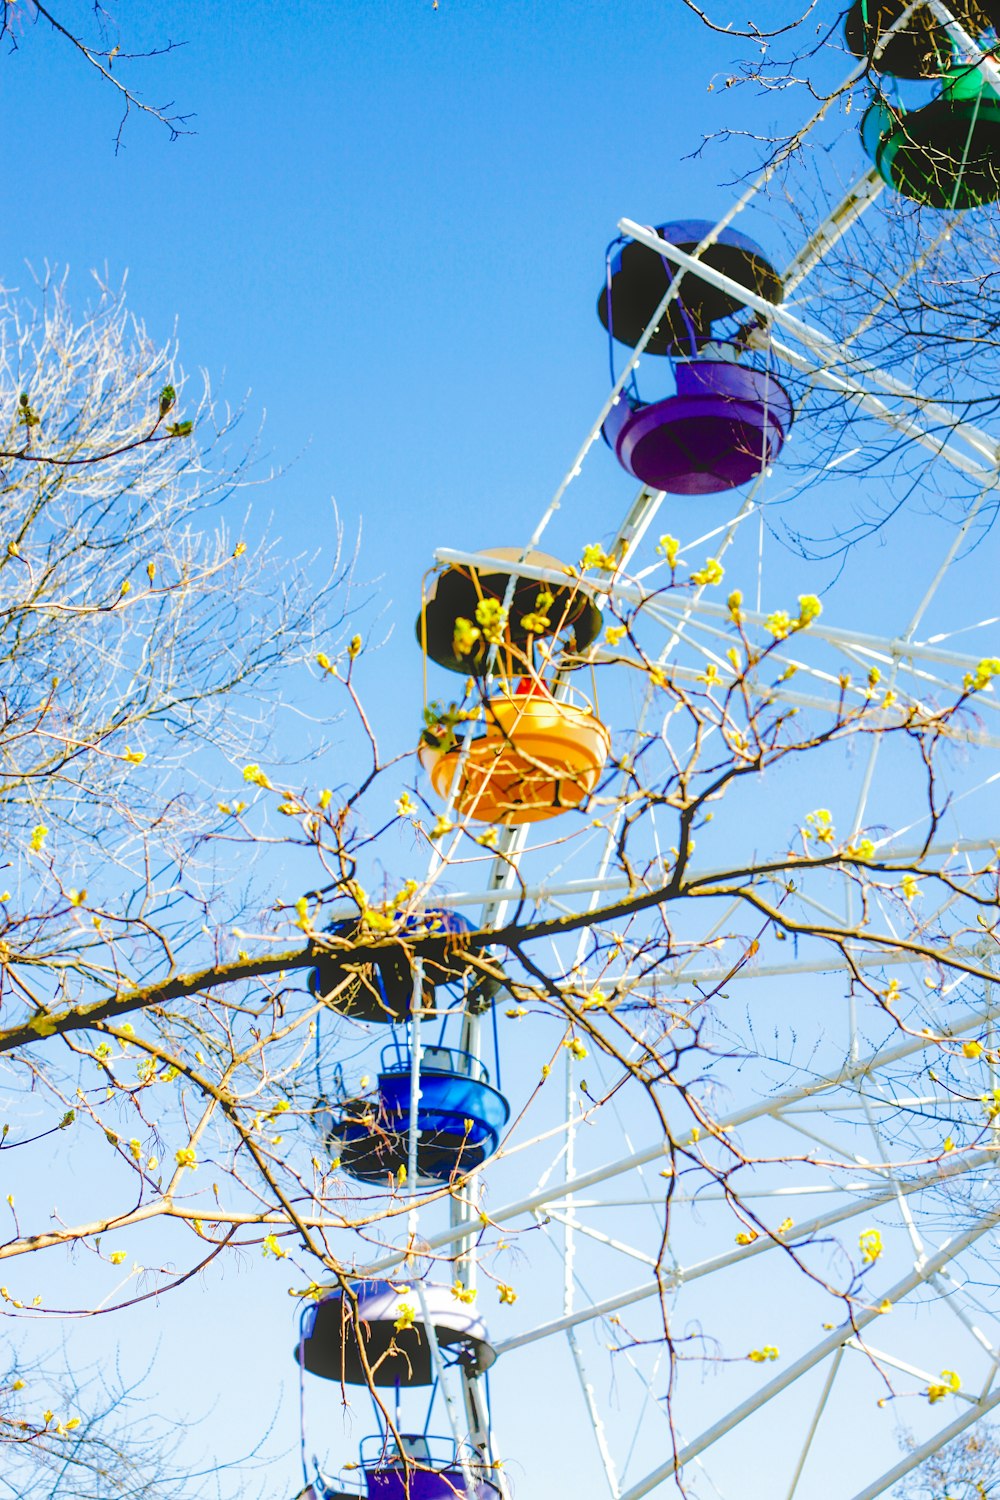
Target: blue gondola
(459, 1118)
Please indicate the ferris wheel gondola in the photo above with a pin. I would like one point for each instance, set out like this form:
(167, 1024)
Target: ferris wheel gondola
(487, 769)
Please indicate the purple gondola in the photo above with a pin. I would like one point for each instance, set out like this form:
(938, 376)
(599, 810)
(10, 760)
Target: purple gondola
(420, 1468)
(726, 423)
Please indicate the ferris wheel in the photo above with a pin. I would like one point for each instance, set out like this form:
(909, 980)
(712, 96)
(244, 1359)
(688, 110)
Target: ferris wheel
(538, 1234)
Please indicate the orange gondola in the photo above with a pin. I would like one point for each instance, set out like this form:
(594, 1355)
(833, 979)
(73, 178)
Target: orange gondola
(535, 757)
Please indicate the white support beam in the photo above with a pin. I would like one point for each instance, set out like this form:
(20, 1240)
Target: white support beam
(613, 884)
(817, 1416)
(896, 647)
(855, 202)
(862, 1318)
(684, 1275)
(933, 1445)
(972, 1020)
(973, 51)
(876, 407)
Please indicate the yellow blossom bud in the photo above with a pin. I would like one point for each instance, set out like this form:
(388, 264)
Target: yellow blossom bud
(810, 609)
(407, 1316)
(710, 573)
(669, 547)
(254, 774)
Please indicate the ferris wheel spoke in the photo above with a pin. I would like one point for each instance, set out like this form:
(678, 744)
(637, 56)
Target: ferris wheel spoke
(932, 1445)
(685, 1275)
(950, 1300)
(862, 1318)
(815, 1420)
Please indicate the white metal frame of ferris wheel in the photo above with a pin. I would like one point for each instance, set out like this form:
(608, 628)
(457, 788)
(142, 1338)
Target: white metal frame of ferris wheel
(975, 453)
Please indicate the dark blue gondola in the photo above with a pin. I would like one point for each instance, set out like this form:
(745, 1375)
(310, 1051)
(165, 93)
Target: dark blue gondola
(459, 1118)
(637, 279)
(382, 990)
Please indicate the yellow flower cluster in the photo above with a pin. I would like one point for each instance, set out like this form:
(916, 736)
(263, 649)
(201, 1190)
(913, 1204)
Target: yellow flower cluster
(594, 556)
(819, 826)
(780, 623)
(464, 636)
(870, 1243)
(491, 617)
(988, 668)
(407, 1317)
(711, 573)
(538, 620)
(668, 547)
(949, 1384)
(760, 1356)
(991, 1104)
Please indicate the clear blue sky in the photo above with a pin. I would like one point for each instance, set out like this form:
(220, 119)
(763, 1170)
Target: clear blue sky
(388, 227)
